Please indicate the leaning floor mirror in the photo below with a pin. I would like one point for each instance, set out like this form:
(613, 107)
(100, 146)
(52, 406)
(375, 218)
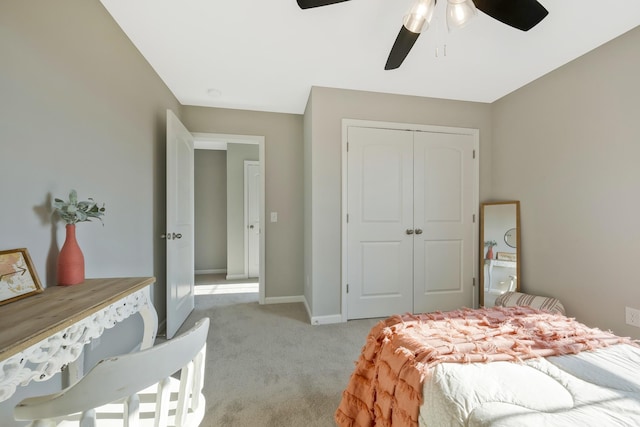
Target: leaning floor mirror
(500, 237)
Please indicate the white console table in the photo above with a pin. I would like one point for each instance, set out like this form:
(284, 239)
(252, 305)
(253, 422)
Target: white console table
(42, 334)
(490, 292)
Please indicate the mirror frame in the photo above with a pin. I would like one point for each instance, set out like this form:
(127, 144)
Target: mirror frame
(482, 251)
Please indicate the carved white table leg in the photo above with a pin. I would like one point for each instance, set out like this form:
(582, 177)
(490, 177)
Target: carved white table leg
(149, 320)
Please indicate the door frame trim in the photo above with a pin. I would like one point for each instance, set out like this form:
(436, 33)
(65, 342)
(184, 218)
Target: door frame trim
(206, 140)
(346, 124)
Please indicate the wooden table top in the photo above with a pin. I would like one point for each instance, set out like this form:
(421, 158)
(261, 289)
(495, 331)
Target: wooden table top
(28, 321)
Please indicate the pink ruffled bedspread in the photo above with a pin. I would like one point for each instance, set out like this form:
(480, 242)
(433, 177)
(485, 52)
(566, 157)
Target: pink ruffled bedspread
(386, 387)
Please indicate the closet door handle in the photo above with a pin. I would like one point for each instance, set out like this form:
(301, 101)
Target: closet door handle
(409, 231)
(418, 231)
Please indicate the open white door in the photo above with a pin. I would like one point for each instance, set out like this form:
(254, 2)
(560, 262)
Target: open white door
(180, 220)
(252, 217)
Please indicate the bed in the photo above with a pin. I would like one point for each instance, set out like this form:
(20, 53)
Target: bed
(499, 366)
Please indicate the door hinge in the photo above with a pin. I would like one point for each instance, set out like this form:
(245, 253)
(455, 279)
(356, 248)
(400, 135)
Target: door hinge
(474, 154)
(347, 288)
(474, 218)
(474, 282)
(347, 146)
(347, 218)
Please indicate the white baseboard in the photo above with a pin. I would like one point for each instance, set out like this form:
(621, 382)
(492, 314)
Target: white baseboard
(237, 276)
(306, 307)
(214, 271)
(321, 320)
(326, 320)
(284, 300)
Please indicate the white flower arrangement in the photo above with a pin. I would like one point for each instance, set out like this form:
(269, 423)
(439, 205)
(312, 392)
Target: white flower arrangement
(73, 211)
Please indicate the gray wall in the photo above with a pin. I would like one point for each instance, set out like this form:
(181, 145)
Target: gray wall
(210, 181)
(236, 155)
(567, 146)
(284, 185)
(325, 112)
(81, 108)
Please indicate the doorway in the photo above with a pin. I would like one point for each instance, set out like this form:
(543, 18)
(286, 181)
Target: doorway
(232, 151)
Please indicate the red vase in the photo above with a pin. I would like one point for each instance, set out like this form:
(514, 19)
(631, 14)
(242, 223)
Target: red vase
(70, 260)
(490, 253)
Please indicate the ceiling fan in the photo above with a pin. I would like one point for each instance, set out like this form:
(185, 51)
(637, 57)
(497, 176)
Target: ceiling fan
(520, 14)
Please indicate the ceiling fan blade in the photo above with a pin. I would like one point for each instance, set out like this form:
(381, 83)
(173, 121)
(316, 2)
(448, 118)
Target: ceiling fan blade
(520, 14)
(401, 47)
(308, 4)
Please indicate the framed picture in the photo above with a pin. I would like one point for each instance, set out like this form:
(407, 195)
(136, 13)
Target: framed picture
(18, 278)
(506, 256)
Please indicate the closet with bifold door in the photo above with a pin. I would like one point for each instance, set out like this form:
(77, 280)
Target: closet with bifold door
(411, 204)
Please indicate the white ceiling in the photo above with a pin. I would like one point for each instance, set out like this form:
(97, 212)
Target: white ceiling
(266, 54)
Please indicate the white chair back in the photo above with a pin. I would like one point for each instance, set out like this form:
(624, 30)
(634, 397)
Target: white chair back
(120, 378)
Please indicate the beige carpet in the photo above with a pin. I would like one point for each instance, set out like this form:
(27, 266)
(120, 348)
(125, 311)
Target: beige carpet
(267, 366)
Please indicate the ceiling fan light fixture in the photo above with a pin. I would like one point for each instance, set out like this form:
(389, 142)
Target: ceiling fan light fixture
(419, 15)
(459, 13)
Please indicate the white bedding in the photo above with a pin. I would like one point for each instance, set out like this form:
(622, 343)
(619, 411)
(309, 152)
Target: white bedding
(598, 388)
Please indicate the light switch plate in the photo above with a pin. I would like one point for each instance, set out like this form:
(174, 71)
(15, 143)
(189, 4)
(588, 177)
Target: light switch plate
(274, 216)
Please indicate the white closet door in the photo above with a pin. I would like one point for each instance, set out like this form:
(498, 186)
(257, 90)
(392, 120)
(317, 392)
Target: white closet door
(380, 207)
(443, 213)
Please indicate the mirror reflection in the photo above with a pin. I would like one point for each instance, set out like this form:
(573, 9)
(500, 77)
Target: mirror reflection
(500, 236)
